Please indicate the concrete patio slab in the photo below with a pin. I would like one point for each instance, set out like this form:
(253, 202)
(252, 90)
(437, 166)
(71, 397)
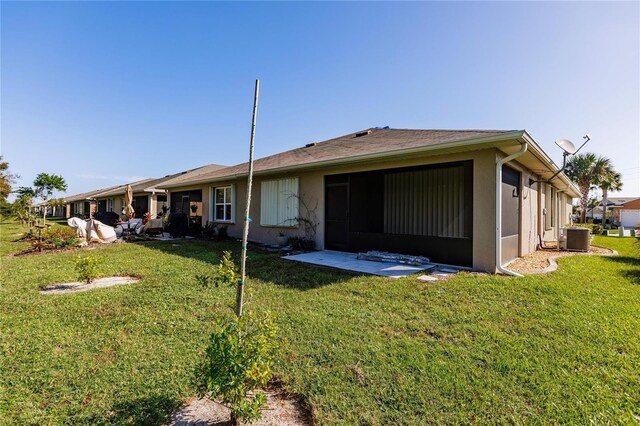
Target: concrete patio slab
(350, 262)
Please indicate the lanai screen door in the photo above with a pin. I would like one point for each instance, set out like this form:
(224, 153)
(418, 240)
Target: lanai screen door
(425, 210)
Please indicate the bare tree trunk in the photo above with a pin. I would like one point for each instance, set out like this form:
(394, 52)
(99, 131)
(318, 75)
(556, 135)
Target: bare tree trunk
(605, 196)
(584, 203)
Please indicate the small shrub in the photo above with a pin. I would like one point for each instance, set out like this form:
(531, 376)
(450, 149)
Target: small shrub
(222, 233)
(224, 274)
(596, 229)
(88, 268)
(60, 236)
(209, 230)
(593, 228)
(29, 234)
(166, 221)
(240, 359)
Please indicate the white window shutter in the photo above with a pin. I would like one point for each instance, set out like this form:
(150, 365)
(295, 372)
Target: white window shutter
(279, 202)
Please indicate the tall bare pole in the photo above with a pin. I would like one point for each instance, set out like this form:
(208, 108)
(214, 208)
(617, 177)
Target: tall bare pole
(247, 219)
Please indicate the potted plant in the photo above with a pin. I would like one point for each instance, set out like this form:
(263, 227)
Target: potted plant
(165, 226)
(295, 242)
(282, 239)
(307, 244)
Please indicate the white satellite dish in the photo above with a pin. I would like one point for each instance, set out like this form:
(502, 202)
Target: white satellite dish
(566, 145)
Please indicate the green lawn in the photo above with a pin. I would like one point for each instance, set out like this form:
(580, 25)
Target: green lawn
(557, 348)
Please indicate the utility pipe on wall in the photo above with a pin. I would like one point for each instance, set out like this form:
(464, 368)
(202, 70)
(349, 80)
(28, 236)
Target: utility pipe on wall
(499, 164)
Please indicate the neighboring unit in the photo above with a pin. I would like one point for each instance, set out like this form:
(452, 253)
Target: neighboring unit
(629, 213)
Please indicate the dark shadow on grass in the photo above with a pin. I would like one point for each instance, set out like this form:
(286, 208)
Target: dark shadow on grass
(262, 265)
(151, 410)
(633, 273)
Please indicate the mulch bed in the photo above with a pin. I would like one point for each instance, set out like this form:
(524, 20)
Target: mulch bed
(34, 251)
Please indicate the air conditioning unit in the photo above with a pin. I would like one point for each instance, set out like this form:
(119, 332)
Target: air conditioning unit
(574, 239)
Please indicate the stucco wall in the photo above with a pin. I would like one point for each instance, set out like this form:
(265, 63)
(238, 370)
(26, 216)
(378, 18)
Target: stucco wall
(312, 192)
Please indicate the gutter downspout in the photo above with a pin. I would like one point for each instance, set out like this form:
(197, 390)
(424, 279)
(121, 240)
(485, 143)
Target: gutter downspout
(499, 165)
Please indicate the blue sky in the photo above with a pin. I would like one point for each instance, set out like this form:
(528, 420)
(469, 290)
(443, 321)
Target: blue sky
(105, 93)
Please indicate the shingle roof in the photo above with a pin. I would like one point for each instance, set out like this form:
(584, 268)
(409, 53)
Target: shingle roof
(149, 184)
(618, 201)
(85, 195)
(137, 186)
(367, 142)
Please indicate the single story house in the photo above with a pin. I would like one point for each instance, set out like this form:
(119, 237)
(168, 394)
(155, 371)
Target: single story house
(83, 204)
(473, 198)
(147, 196)
(113, 199)
(52, 211)
(614, 204)
(629, 213)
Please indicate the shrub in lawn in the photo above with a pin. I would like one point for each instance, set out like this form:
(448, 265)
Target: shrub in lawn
(29, 234)
(88, 268)
(209, 230)
(224, 274)
(239, 360)
(60, 236)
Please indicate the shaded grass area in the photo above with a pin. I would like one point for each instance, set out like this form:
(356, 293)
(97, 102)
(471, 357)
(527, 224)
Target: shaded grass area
(556, 348)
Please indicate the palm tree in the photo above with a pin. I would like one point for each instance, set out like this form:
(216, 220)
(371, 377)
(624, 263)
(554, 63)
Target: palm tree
(611, 181)
(587, 170)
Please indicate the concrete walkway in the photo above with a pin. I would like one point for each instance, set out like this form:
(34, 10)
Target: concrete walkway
(350, 262)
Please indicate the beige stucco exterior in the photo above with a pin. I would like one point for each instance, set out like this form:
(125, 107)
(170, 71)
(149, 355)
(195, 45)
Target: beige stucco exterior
(311, 190)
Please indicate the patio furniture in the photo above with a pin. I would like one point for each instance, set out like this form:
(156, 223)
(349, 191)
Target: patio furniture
(129, 228)
(153, 227)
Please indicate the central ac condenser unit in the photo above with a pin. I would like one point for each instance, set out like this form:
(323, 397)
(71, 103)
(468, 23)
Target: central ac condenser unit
(573, 239)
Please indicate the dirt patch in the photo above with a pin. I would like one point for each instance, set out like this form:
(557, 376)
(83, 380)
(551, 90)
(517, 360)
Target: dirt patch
(542, 261)
(79, 286)
(283, 409)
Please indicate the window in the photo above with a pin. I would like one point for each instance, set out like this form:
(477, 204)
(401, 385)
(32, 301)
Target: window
(223, 210)
(550, 206)
(554, 206)
(109, 204)
(279, 202)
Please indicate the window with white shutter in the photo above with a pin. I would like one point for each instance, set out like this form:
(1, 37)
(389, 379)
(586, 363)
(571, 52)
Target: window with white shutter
(279, 203)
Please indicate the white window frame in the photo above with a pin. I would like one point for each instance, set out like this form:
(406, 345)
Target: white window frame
(109, 204)
(213, 204)
(287, 204)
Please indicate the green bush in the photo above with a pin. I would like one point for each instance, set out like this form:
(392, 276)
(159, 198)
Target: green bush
(222, 233)
(240, 359)
(88, 268)
(224, 274)
(59, 236)
(594, 228)
(209, 230)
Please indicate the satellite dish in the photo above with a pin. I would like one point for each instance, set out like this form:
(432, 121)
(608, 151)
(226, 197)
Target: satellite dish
(566, 145)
